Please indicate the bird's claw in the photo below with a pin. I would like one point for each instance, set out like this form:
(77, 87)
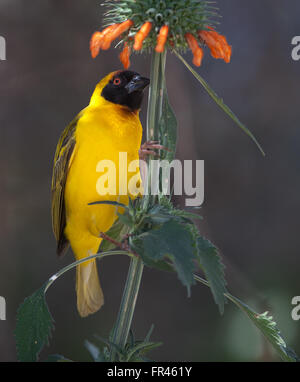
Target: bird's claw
(148, 148)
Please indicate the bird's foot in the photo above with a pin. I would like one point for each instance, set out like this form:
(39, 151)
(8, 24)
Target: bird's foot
(148, 148)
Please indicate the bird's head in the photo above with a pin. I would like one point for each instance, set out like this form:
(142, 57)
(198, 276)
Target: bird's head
(123, 88)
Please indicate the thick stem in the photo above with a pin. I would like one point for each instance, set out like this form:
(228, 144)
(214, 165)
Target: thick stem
(155, 95)
(126, 311)
(155, 102)
(124, 319)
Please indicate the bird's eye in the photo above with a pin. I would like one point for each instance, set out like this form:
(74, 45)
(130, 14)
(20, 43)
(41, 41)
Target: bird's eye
(117, 81)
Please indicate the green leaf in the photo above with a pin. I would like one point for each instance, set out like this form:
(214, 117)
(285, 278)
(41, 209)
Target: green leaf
(186, 214)
(166, 206)
(171, 240)
(126, 219)
(268, 328)
(161, 265)
(264, 323)
(220, 102)
(34, 321)
(210, 263)
(149, 334)
(131, 338)
(34, 326)
(159, 214)
(140, 349)
(117, 231)
(134, 351)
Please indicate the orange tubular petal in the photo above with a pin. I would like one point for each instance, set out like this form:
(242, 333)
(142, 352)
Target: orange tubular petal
(124, 56)
(95, 44)
(228, 51)
(195, 48)
(98, 38)
(213, 44)
(217, 44)
(142, 35)
(198, 57)
(115, 33)
(162, 39)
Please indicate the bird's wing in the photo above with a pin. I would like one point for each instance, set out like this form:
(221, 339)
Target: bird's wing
(62, 163)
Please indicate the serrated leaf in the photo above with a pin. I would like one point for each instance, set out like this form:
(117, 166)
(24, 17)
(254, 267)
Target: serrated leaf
(269, 329)
(264, 323)
(34, 326)
(34, 321)
(161, 265)
(186, 214)
(210, 263)
(166, 205)
(220, 102)
(171, 240)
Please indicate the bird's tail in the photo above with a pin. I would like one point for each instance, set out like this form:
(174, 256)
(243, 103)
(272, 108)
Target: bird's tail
(88, 288)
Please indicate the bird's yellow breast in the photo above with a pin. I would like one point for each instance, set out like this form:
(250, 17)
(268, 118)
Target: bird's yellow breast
(101, 135)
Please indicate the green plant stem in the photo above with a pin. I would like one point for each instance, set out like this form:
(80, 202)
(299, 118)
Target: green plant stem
(155, 103)
(134, 276)
(75, 263)
(155, 94)
(127, 307)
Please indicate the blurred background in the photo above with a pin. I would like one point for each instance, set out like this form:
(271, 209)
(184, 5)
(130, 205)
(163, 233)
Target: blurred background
(251, 209)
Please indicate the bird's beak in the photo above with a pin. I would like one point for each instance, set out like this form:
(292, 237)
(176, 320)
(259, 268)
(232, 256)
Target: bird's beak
(137, 83)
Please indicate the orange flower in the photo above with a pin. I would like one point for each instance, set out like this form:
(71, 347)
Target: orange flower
(115, 33)
(162, 38)
(195, 48)
(218, 45)
(141, 35)
(124, 56)
(103, 40)
(97, 40)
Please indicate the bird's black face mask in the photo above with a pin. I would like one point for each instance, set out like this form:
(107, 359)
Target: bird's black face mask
(126, 88)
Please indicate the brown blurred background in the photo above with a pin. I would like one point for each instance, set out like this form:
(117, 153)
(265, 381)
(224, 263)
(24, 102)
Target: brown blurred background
(251, 210)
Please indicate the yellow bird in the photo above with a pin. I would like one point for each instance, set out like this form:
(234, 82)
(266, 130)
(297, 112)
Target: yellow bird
(109, 125)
